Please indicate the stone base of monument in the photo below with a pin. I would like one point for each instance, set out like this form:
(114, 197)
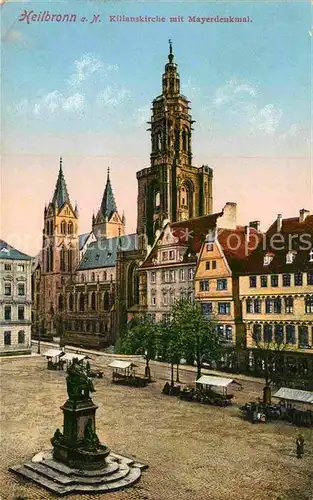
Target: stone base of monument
(118, 473)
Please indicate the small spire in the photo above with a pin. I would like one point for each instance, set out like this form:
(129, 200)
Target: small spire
(108, 176)
(170, 57)
(61, 161)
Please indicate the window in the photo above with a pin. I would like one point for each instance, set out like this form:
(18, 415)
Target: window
(165, 276)
(21, 337)
(213, 264)
(267, 260)
(63, 227)
(273, 305)
(290, 257)
(303, 336)
(70, 302)
(269, 306)
(172, 276)
(298, 279)
(93, 301)
(7, 267)
(165, 299)
(190, 274)
(249, 306)
(93, 277)
(104, 276)
(21, 289)
(221, 284)
(286, 279)
(256, 333)
(21, 313)
(252, 281)
(309, 278)
(274, 280)
(268, 333)
(171, 255)
(70, 227)
(309, 304)
(279, 334)
(7, 338)
(207, 308)
(209, 247)
(224, 308)
(190, 296)
(152, 317)
(166, 317)
(257, 306)
(289, 305)
(20, 268)
(164, 255)
(182, 275)
(204, 285)
(263, 281)
(153, 277)
(7, 289)
(207, 265)
(225, 332)
(7, 313)
(290, 334)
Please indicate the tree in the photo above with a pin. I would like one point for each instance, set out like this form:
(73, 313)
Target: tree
(140, 337)
(197, 333)
(170, 342)
(271, 355)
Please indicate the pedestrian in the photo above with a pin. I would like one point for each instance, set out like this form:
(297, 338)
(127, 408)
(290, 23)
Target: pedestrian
(300, 446)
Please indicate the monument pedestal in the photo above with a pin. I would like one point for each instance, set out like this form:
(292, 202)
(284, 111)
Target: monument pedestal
(79, 446)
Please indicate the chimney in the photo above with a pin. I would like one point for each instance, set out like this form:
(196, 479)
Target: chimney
(255, 225)
(303, 214)
(279, 222)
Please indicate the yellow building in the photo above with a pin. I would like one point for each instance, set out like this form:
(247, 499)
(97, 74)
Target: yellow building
(276, 292)
(221, 261)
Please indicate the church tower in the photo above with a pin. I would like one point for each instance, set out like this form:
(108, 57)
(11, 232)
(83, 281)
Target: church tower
(108, 223)
(171, 188)
(60, 251)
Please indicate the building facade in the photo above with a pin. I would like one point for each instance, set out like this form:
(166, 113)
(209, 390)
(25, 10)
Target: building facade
(15, 301)
(171, 188)
(276, 292)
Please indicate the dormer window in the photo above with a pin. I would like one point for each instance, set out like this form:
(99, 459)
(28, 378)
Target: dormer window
(164, 256)
(290, 257)
(171, 255)
(267, 259)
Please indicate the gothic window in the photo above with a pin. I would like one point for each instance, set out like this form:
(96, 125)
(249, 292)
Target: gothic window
(93, 301)
(70, 302)
(177, 139)
(106, 301)
(63, 259)
(63, 227)
(70, 259)
(185, 140)
(157, 199)
(70, 227)
(82, 302)
(51, 227)
(158, 140)
(184, 196)
(93, 277)
(48, 228)
(104, 275)
(132, 286)
(60, 302)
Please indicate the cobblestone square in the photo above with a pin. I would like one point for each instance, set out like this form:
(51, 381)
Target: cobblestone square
(194, 452)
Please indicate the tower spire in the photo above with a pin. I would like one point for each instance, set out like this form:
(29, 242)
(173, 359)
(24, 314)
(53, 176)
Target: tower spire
(108, 175)
(170, 56)
(61, 196)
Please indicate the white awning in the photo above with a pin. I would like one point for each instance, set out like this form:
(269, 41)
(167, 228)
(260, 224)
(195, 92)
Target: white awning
(294, 395)
(53, 353)
(69, 356)
(215, 381)
(117, 363)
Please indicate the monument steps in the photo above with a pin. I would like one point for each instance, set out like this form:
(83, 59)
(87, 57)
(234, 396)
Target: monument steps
(58, 466)
(42, 481)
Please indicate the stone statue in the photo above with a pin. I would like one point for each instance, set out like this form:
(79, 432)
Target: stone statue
(91, 439)
(57, 437)
(79, 385)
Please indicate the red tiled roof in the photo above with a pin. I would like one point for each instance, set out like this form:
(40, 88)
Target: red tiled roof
(237, 246)
(190, 233)
(295, 237)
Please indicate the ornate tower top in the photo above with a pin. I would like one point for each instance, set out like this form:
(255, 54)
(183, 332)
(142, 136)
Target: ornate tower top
(170, 79)
(60, 196)
(108, 205)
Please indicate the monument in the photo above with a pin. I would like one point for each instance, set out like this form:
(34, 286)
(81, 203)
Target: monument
(78, 462)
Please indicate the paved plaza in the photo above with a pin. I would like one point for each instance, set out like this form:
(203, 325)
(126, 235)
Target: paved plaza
(194, 452)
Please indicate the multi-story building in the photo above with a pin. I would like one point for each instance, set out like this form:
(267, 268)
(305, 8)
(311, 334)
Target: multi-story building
(170, 267)
(221, 261)
(15, 301)
(276, 291)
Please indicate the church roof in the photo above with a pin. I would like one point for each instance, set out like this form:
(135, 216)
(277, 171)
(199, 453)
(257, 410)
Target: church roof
(10, 253)
(108, 205)
(61, 195)
(102, 253)
(82, 238)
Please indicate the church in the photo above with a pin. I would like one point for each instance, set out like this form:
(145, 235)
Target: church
(86, 286)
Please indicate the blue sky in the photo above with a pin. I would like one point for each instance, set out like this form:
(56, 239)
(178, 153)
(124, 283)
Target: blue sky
(84, 90)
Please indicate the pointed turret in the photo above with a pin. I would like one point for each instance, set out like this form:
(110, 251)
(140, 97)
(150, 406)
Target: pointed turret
(108, 205)
(61, 195)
